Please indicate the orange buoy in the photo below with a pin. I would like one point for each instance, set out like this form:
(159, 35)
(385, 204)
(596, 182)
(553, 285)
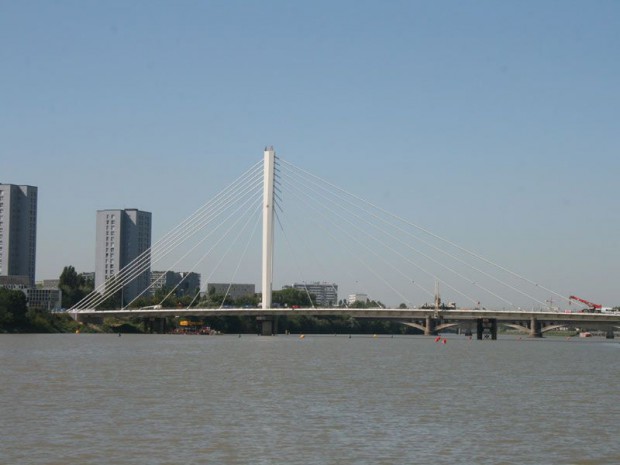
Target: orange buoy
(438, 338)
(301, 336)
(445, 341)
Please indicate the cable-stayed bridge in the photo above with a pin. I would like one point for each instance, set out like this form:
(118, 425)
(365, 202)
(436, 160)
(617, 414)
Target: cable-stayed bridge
(323, 230)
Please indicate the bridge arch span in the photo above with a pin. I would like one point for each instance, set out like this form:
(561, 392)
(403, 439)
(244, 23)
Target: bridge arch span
(446, 326)
(523, 328)
(414, 325)
(552, 327)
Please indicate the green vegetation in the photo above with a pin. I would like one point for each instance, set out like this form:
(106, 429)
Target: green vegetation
(292, 297)
(13, 308)
(15, 316)
(74, 287)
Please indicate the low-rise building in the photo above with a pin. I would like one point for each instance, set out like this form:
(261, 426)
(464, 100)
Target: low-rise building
(88, 276)
(232, 290)
(184, 282)
(190, 283)
(357, 298)
(163, 280)
(15, 282)
(44, 298)
(325, 294)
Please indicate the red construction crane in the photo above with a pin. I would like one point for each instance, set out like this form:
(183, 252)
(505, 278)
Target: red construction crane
(592, 306)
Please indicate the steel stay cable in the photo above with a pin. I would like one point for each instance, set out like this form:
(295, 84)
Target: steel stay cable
(292, 250)
(529, 296)
(296, 261)
(259, 203)
(320, 212)
(134, 269)
(213, 231)
(162, 243)
(132, 272)
(245, 249)
(414, 250)
(475, 301)
(86, 300)
(208, 252)
(253, 194)
(367, 266)
(463, 249)
(409, 261)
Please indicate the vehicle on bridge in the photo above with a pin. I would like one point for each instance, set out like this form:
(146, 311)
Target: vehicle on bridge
(440, 306)
(592, 307)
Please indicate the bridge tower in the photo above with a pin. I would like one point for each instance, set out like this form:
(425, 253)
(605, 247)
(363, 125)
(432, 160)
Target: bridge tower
(268, 181)
(268, 324)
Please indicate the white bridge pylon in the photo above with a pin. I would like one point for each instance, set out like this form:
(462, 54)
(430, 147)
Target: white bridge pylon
(268, 209)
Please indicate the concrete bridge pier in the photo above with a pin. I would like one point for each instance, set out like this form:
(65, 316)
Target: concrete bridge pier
(535, 328)
(154, 325)
(267, 325)
(486, 328)
(429, 327)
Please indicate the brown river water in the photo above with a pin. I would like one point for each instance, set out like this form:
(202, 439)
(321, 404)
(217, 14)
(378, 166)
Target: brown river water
(169, 399)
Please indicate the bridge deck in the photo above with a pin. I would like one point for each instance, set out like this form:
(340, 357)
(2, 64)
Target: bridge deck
(387, 313)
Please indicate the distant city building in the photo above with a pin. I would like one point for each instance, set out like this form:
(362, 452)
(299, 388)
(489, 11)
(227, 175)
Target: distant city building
(190, 283)
(234, 291)
(44, 298)
(122, 236)
(88, 276)
(18, 231)
(186, 282)
(164, 280)
(15, 282)
(325, 294)
(357, 298)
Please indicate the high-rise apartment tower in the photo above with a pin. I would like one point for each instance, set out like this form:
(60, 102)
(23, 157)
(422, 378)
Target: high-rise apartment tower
(122, 236)
(18, 231)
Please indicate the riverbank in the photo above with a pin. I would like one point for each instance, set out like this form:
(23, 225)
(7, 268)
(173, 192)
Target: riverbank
(50, 323)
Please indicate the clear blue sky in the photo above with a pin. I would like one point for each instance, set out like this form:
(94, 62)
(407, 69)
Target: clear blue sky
(495, 124)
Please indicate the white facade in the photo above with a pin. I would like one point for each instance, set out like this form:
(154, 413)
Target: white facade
(325, 294)
(357, 298)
